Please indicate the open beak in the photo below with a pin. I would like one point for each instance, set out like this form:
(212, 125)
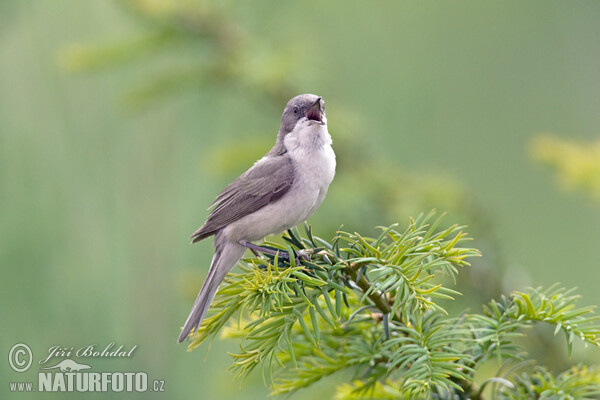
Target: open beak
(315, 112)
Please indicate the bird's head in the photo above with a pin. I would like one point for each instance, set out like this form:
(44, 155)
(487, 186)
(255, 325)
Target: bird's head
(306, 109)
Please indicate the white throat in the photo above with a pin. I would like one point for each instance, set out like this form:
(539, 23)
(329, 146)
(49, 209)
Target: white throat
(307, 136)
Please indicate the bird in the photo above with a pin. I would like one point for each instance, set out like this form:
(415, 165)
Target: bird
(280, 191)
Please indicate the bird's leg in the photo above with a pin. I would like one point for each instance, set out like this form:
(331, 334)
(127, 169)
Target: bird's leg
(254, 248)
(256, 253)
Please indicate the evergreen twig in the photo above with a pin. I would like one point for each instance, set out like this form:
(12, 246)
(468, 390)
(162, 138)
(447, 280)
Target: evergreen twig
(305, 319)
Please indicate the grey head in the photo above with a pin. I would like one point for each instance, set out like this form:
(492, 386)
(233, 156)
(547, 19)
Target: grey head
(302, 107)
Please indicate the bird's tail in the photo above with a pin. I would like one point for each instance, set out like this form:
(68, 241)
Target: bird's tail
(225, 258)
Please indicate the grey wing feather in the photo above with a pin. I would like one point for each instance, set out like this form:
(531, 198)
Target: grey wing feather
(267, 181)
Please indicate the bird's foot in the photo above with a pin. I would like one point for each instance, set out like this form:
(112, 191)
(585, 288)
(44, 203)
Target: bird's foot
(303, 254)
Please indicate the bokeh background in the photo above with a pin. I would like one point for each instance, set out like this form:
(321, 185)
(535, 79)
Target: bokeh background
(121, 120)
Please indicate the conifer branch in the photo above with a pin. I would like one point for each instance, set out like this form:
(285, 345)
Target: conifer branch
(307, 318)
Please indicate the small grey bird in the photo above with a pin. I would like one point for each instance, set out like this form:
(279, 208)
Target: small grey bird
(278, 192)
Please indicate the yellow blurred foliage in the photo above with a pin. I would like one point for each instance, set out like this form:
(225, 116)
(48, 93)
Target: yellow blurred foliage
(576, 163)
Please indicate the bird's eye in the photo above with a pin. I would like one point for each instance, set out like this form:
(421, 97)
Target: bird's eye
(296, 111)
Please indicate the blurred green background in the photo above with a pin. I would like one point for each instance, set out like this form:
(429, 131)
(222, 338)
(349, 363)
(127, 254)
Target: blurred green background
(121, 120)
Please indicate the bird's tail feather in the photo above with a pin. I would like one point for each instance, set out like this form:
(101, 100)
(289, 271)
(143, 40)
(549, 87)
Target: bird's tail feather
(223, 261)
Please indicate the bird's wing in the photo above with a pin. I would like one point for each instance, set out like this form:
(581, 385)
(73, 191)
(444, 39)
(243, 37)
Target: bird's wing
(267, 181)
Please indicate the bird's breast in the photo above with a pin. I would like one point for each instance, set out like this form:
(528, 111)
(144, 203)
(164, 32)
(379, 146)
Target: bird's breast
(313, 157)
(314, 170)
